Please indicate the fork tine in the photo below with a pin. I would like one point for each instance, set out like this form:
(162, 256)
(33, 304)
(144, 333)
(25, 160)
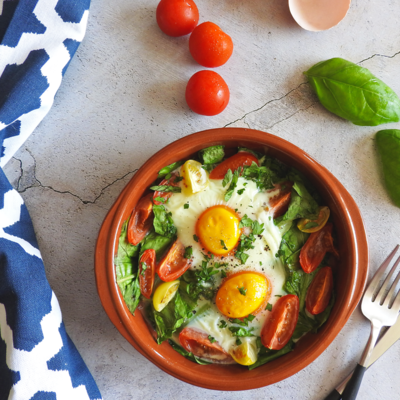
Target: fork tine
(388, 301)
(374, 284)
(383, 292)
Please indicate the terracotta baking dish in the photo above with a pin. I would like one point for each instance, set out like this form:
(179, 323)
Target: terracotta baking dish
(350, 279)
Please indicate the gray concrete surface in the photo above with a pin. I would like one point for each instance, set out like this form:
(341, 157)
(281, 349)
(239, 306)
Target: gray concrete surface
(122, 99)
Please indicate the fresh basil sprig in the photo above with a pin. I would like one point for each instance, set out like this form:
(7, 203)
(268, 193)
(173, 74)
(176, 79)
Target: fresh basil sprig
(353, 93)
(388, 145)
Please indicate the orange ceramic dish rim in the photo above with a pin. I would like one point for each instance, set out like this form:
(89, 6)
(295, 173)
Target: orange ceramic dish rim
(349, 285)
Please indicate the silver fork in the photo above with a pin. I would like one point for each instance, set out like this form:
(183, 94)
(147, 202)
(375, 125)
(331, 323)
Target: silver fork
(381, 306)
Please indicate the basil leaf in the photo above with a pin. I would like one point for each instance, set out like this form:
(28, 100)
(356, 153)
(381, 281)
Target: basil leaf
(353, 93)
(169, 168)
(212, 155)
(163, 223)
(388, 144)
(189, 356)
(266, 355)
(166, 188)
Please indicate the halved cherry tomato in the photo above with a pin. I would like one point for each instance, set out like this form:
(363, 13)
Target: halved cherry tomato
(177, 17)
(174, 264)
(314, 225)
(279, 204)
(209, 45)
(238, 160)
(279, 328)
(320, 291)
(198, 343)
(147, 270)
(141, 220)
(165, 195)
(315, 248)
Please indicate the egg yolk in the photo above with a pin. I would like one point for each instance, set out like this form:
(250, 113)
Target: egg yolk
(242, 294)
(218, 229)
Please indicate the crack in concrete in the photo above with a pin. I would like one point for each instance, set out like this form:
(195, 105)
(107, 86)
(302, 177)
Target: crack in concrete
(290, 116)
(264, 105)
(379, 55)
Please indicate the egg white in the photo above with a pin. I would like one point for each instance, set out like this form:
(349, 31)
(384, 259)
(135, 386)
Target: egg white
(252, 203)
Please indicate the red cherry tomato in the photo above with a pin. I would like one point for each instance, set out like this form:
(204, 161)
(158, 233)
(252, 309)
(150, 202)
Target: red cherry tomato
(238, 160)
(279, 328)
(177, 17)
(174, 264)
(320, 291)
(165, 195)
(207, 93)
(147, 270)
(141, 220)
(315, 248)
(279, 204)
(210, 46)
(199, 344)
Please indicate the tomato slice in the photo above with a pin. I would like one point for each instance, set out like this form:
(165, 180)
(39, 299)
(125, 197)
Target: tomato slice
(279, 328)
(147, 270)
(165, 195)
(314, 225)
(315, 248)
(279, 204)
(233, 163)
(320, 291)
(198, 343)
(174, 264)
(141, 220)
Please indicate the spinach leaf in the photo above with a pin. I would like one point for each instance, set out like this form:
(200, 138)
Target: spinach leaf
(291, 244)
(186, 354)
(388, 144)
(157, 242)
(169, 168)
(353, 93)
(267, 355)
(126, 268)
(212, 155)
(302, 204)
(163, 223)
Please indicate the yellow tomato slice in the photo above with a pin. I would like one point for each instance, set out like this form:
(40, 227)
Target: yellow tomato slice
(314, 225)
(195, 178)
(164, 294)
(246, 353)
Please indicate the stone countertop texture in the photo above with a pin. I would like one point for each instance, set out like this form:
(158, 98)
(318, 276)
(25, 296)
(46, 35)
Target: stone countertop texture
(122, 100)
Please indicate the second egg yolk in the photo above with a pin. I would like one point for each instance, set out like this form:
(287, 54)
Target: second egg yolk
(218, 229)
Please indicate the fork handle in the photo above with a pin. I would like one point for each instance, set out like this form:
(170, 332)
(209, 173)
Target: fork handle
(334, 395)
(351, 390)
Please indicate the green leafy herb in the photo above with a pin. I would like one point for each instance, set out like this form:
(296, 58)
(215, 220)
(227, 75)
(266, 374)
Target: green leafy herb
(242, 322)
(186, 354)
(223, 274)
(267, 355)
(223, 245)
(211, 339)
(246, 243)
(166, 188)
(241, 191)
(188, 252)
(222, 324)
(310, 225)
(205, 273)
(242, 291)
(238, 342)
(353, 93)
(233, 180)
(163, 223)
(195, 238)
(144, 267)
(388, 145)
(227, 178)
(212, 155)
(269, 307)
(169, 168)
(157, 242)
(186, 206)
(240, 331)
(160, 199)
(262, 176)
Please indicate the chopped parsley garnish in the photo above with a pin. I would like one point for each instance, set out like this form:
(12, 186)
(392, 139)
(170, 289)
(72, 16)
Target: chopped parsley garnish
(144, 267)
(222, 324)
(223, 274)
(186, 206)
(205, 273)
(211, 339)
(188, 252)
(242, 322)
(269, 307)
(223, 245)
(239, 331)
(196, 239)
(242, 291)
(238, 342)
(241, 191)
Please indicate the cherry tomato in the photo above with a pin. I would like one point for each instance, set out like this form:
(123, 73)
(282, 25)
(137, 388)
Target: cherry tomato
(165, 195)
(147, 270)
(198, 343)
(314, 225)
(320, 291)
(177, 17)
(238, 160)
(207, 93)
(174, 264)
(141, 220)
(210, 46)
(315, 248)
(279, 204)
(279, 328)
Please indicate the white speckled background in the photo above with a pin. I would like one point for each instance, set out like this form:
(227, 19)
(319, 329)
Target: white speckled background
(122, 99)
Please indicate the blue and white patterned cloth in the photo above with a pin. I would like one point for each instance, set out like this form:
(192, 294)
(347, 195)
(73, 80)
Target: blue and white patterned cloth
(38, 361)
